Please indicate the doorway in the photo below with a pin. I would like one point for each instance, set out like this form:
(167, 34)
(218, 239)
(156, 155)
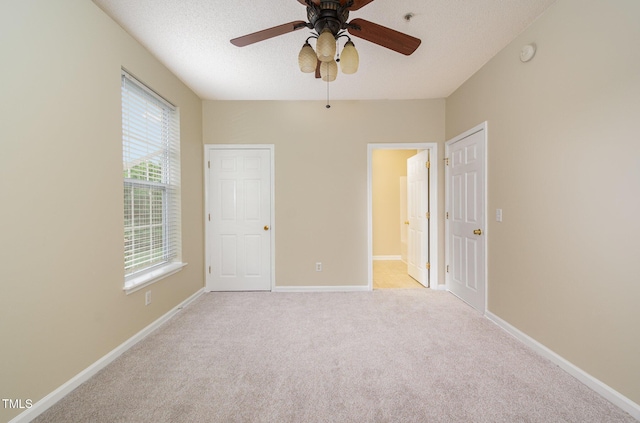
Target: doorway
(426, 235)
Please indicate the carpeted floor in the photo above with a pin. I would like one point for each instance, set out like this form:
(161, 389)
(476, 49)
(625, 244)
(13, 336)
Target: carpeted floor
(400, 355)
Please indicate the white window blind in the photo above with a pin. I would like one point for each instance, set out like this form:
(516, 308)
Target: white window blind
(151, 168)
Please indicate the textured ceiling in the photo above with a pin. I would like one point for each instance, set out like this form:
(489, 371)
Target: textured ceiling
(191, 37)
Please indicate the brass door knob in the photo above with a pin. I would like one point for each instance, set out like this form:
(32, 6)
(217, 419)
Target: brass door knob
(266, 227)
(406, 222)
(478, 232)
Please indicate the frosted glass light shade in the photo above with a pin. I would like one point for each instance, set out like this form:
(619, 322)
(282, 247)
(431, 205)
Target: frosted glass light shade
(307, 59)
(329, 70)
(349, 59)
(326, 46)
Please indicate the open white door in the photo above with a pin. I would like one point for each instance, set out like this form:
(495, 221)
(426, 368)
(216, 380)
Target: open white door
(466, 217)
(404, 222)
(239, 219)
(418, 217)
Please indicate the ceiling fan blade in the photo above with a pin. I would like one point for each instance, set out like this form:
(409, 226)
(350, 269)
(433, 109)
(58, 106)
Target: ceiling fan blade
(265, 34)
(383, 36)
(357, 4)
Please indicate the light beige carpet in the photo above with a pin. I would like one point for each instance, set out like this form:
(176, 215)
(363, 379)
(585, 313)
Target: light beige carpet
(410, 355)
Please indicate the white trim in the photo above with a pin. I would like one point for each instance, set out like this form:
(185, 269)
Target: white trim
(481, 127)
(272, 224)
(387, 258)
(433, 200)
(147, 278)
(333, 288)
(45, 403)
(596, 385)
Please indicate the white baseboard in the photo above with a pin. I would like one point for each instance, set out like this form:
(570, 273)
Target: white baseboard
(598, 386)
(387, 257)
(55, 396)
(347, 288)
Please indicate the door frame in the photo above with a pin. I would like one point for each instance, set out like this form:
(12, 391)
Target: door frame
(447, 231)
(208, 148)
(433, 202)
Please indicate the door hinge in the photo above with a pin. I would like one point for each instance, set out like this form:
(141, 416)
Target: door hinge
(209, 217)
(209, 164)
(447, 215)
(428, 165)
(428, 266)
(447, 268)
(446, 161)
(209, 269)
(428, 215)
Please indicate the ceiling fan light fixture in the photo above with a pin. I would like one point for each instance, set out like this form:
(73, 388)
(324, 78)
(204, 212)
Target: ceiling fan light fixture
(328, 71)
(307, 59)
(326, 46)
(349, 59)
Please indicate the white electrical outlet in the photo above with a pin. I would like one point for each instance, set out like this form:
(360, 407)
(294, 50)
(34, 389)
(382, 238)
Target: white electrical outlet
(147, 298)
(318, 267)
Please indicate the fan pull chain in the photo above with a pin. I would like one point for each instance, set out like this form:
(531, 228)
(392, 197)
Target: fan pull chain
(328, 106)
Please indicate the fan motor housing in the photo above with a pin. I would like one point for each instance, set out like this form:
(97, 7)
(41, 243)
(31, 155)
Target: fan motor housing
(330, 14)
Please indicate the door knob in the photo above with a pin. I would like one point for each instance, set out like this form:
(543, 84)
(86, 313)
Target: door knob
(406, 222)
(478, 232)
(266, 227)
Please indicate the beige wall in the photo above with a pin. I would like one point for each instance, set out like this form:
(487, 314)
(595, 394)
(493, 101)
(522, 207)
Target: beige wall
(564, 165)
(61, 303)
(387, 168)
(321, 173)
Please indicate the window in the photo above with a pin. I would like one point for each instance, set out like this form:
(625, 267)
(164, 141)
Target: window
(151, 170)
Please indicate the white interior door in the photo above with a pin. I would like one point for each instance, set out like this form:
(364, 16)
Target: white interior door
(404, 223)
(417, 212)
(466, 218)
(239, 220)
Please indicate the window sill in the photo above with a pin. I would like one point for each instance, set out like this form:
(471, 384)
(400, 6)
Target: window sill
(137, 283)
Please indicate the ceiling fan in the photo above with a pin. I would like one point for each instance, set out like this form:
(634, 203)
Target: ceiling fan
(329, 20)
